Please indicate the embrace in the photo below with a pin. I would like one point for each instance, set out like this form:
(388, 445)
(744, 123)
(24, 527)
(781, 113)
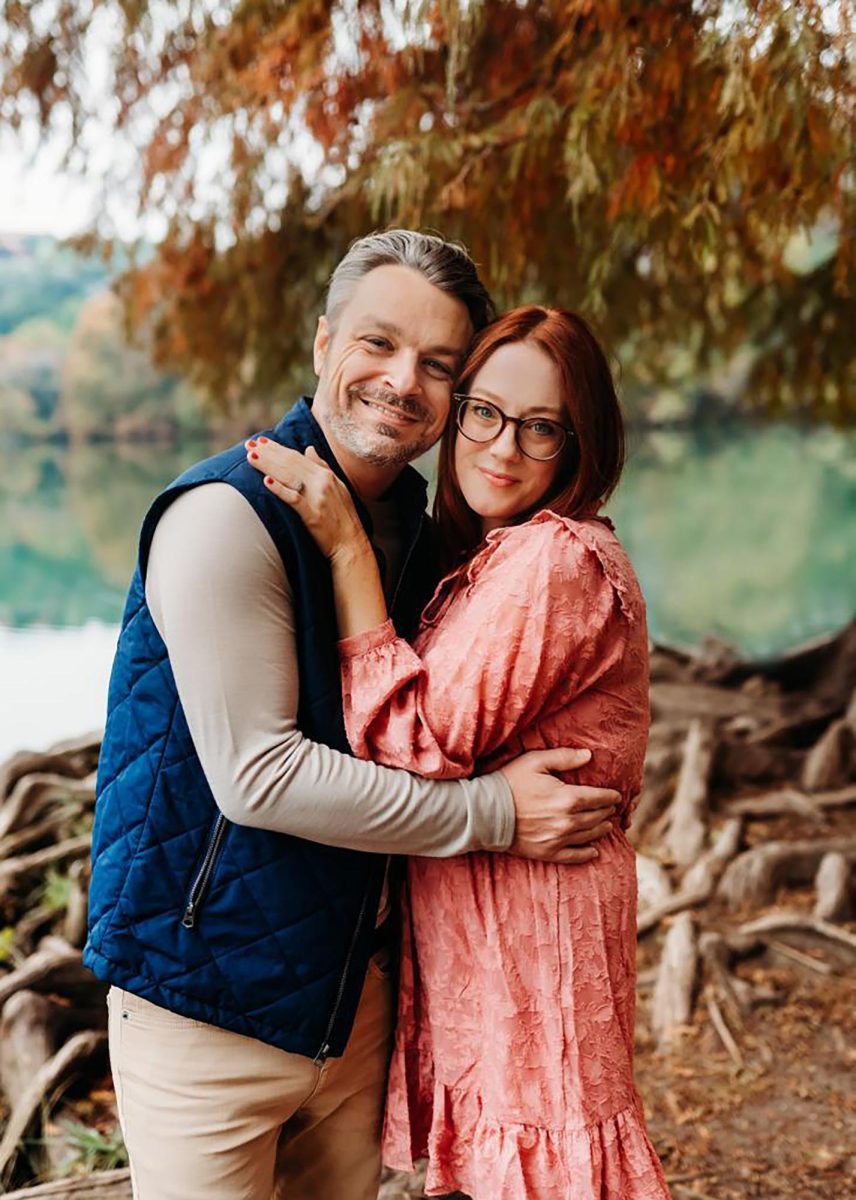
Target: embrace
(314, 679)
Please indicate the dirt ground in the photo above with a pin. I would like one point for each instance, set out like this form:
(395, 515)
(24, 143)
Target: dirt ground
(782, 1127)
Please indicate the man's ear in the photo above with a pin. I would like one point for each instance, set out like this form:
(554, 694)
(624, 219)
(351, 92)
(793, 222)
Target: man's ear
(320, 345)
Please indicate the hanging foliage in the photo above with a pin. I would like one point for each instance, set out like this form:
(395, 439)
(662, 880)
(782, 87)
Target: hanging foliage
(682, 171)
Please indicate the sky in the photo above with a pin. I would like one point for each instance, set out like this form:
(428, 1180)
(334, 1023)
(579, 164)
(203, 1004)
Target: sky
(38, 192)
(37, 196)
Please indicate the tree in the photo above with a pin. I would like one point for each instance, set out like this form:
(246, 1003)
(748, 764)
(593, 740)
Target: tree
(680, 171)
(110, 390)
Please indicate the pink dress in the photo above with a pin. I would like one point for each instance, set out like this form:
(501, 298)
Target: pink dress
(513, 1062)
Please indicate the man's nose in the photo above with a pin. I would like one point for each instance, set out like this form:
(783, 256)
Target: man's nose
(402, 376)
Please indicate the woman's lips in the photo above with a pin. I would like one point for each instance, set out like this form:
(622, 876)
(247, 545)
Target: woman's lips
(497, 479)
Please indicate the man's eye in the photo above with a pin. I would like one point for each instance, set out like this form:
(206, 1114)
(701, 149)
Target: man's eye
(379, 343)
(441, 368)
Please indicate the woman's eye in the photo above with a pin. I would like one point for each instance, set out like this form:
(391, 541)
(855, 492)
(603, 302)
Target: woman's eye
(484, 412)
(541, 428)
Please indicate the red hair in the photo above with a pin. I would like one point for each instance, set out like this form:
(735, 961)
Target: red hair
(591, 462)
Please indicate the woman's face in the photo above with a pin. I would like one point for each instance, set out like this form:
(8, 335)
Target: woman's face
(498, 481)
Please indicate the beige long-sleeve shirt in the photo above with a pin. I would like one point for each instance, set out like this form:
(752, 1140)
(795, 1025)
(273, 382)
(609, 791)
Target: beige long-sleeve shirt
(220, 599)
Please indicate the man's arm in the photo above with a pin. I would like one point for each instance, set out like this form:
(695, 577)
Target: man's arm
(219, 597)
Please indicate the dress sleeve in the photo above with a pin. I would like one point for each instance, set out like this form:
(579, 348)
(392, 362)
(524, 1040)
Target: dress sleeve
(537, 621)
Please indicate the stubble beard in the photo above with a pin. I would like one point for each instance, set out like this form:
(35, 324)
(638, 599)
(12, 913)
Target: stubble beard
(386, 445)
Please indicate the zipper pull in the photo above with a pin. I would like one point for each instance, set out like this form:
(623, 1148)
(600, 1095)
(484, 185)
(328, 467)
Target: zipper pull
(189, 918)
(321, 1055)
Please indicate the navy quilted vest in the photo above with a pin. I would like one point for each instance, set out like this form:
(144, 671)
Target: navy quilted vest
(254, 931)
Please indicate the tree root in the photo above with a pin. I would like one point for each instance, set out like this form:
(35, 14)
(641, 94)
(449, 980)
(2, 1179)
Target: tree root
(688, 814)
(12, 868)
(791, 801)
(53, 967)
(33, 795)
(719, 1023)
(672, 1004)
(753, 877)
(70, 759)
(27, 1041)
(796, 922)
(54, 1074)
(700, 880)
(834, 887)
(105, 1185)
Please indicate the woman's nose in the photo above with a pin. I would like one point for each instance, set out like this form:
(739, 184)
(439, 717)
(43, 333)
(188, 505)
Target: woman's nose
(505, 446)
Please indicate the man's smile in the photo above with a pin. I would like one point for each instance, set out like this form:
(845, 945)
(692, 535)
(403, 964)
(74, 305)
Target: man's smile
(395, 415)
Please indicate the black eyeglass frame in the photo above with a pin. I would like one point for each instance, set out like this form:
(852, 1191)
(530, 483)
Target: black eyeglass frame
(462, 399)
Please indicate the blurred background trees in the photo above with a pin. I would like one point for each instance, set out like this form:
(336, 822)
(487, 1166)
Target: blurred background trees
(680, 171)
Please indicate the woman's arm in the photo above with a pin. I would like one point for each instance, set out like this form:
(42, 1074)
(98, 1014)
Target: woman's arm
(539, 611)
(537, 623)
(325, 506)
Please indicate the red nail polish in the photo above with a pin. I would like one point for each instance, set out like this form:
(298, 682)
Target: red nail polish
(263, 441)
(254, 455)
(251, 442)
(268, 480)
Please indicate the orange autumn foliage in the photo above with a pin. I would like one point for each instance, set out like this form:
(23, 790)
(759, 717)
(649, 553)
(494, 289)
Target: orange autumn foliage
(681, 171)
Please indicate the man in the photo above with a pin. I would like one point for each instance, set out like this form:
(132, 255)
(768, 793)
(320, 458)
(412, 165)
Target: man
(238, 898)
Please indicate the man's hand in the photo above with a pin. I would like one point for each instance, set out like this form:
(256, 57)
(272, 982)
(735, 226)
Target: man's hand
(556, 822)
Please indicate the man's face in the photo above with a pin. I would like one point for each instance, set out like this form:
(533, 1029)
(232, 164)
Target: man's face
(385, 373)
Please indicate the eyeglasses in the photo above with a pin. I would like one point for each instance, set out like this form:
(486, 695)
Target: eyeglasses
(536, 437)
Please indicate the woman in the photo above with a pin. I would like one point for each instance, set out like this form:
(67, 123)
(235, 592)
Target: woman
(513, 1062)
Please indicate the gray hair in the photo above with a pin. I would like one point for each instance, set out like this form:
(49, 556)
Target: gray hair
(445, 264)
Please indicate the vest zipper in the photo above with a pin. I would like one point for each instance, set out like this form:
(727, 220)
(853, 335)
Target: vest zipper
(203, 875)
(325, 1045)
(401, 575)
(407, 559)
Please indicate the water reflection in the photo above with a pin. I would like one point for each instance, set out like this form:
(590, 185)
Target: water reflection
(748, 533)
(70, 521)
(745, 533)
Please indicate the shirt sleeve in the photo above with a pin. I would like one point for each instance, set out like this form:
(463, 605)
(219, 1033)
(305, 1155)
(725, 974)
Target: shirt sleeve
(533, 623)
(218, 593)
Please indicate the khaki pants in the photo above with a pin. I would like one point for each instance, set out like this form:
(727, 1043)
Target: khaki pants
(212, 1115)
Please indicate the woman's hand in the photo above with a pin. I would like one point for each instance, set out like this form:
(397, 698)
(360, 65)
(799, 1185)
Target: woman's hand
(317, 495)
(324, 504)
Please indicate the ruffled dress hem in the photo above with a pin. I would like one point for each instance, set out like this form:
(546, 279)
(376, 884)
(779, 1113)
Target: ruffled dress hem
(490, 1160)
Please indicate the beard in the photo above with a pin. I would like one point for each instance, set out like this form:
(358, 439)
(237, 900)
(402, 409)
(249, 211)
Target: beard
(384, 445)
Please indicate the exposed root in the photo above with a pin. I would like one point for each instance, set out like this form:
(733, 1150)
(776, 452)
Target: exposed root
(51, 968)
(752, 879)
(700, 880)
(688, 815)
(106, 1185)
(672, 1004)
(834, 886)
(12, 868)
(794, 922)
(791, 801)
(719, 1024)
(54, 1074)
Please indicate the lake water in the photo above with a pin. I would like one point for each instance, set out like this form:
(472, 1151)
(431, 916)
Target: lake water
(747, 533)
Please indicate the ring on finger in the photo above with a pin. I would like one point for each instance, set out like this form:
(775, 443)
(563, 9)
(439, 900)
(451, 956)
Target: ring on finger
(299, 487)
